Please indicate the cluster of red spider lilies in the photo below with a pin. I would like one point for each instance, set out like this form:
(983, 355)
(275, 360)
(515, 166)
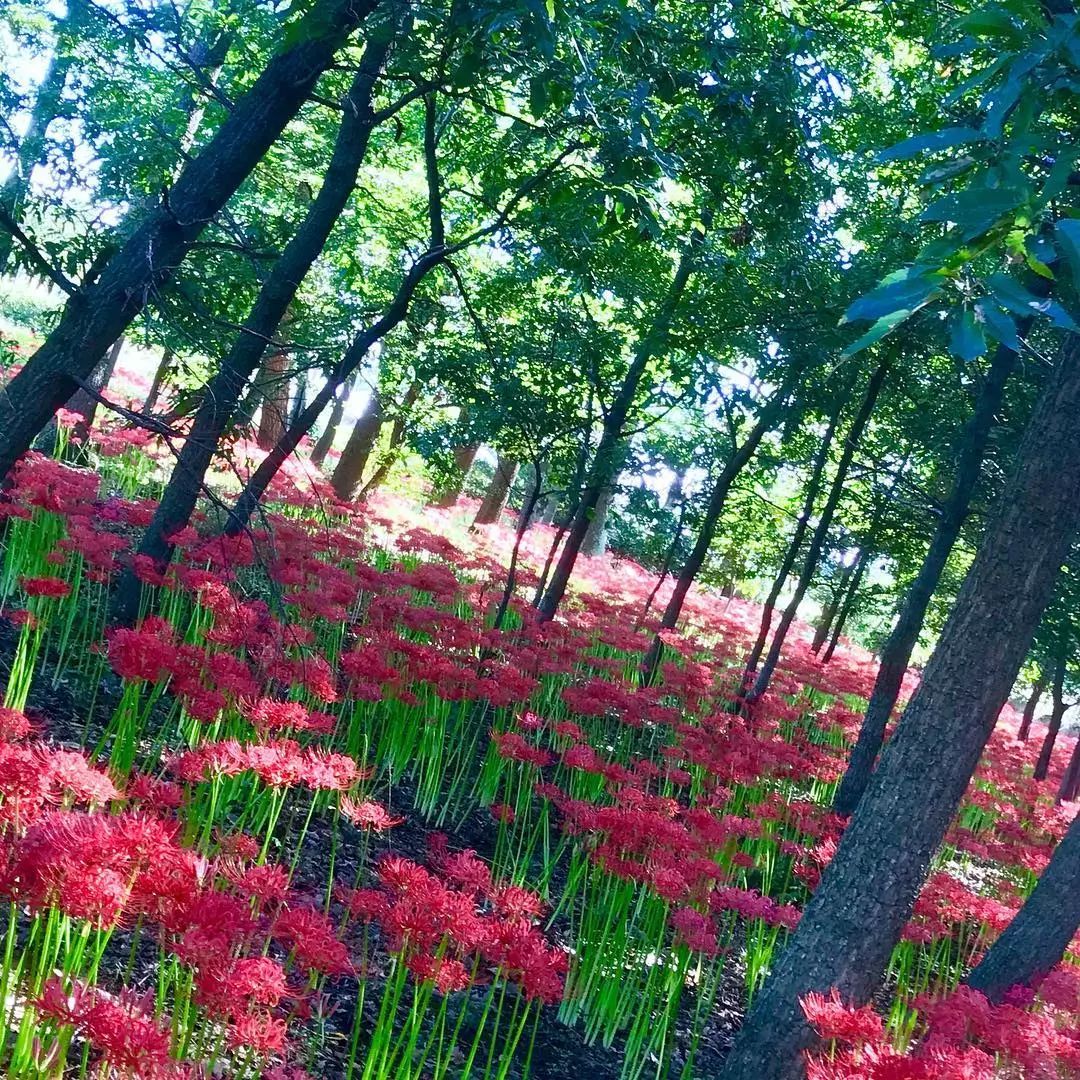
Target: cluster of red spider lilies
(313, 814)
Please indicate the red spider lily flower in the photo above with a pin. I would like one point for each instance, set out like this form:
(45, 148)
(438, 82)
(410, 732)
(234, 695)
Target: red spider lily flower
(14, 725)
(832, 1019)
(52, 587)
(259, 1031)
(368, 815)
(313, 941)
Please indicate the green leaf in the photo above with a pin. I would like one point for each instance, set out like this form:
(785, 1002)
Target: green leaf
(967, 341)
(992, 22)
(1014, 297)
(975, 209)
(1001, 325)
(904, 292)
(883, 326)
(1068, 243)
(929, 142)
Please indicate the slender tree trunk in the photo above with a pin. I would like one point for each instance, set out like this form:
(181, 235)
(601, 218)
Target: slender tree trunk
(828, 612)
(329, 433)
(161, 373)
(817, 541)
(86, 404)
(494, 500)
(1070, 779)
(1037, 692)
(1034, 943)
(898, 647)
(734, 465)
(534, 493)
(397, 437)
(48, 106)
(1057, 713)
(527, 509)
(346, 477)
(848, 601)
(464, 456)
(855, 917)
(273, 393)
(813, 485)
(95, 316)
(279, 289)
(609, 452)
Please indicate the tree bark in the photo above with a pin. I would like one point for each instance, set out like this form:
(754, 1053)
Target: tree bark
(494, 500)
(279, 289)
(464, 456)
(1035, 941)
(329, 433)
(813, 486)
(828, 612)
(1069, 787)
(848, 600)
(95, 316)
(1042, 766)
(898, 647)
(595, 541)
(354, 458)
(609, 452)
(161, 373)
(817, 540)
(866, 894)
(1029, 709)
(273, 393)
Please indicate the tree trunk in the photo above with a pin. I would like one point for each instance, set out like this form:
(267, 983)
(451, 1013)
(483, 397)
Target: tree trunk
(595, 542)
(48, 105)
(866, 894)
(848, 601)
(1042, 766)
(98, 314)
(828, 612)
(464, 456)
(1029, 709)
(813, 485)
(817, 541)
(273, 394)
(1070, 779)
(609, 452)
(346, 477)
(329, 433)
(397, 437)
(84, 402)
(898, 647)
(161, 373)
(279, 289)
(494, 501)
(1034, 943)
(534, 493)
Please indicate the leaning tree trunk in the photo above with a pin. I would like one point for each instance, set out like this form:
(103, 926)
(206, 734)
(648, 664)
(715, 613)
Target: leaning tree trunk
(595, 542)
(1034, 943)
(828, 612)
(1029, 709)
(817, 541)
(273, 394)
(464, 456)
(84, 402)
(494, 500)
(346, 477)
(326, 438)
(1057, 714)
(279, 289)
(1070, 779)
(96, 315)
(161, 373)
(610, 450)
(855, 917)
(897, 650)
(847, 602)
(813, 485)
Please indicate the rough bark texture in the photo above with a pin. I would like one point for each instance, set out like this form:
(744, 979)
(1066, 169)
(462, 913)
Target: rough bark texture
(1042, 766)
(1032, 704)
(354, 458)
(817, 541)
(329, 433)
(813, 485)
(97, 315)
(857, 913)
(1070, 778)
(609, 452)
(898, 647)
(273, 391)
(83, 401)
(494, 500)
(1036, 939)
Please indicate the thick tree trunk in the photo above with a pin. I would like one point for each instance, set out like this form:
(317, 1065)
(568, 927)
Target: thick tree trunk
(464, 456)
(610, 450)
(1069, 787)
(329, 433)
(595, 542)
(273, 394)
(817, 540)
(1029, 708)
(98, 314)
(1057, 713)
(279, 289)
(1034, 943)
(346, 477)
(393, 446)
(813, 486)
(865, 897)
(897, 650)
(494, 500)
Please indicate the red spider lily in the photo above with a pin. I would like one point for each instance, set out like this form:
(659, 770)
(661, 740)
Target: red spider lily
(52, 587)
(368, 815)
(313, 941)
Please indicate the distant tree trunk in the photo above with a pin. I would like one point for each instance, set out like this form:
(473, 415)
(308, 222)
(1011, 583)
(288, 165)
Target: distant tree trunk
(817, 541)
(901, 642)
(595, 542)
(464, 456)
(299, 398)
(609, 452)
(848, 601)
(813, 486)
(828, 612)
(1029, 709)
(1069, 787)
(349, 471)
(100, 313)
(329, 433)
(852, 922)
(273, 393)
(397, 437)
(534, 492)
(277, 293)
(1057, 713)
(86, 404)
(494, 501)
(161, 373)
(1034, 943)
(48, 106)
